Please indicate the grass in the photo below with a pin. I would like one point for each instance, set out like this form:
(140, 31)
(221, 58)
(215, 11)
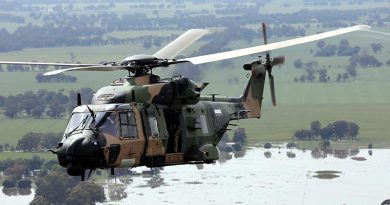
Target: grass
(280, 123)
(365, 101)
(297, 5)
(13, 130)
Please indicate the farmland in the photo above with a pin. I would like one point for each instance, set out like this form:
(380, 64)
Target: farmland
(364, 100)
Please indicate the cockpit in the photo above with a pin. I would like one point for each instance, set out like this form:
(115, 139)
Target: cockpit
(119, 123)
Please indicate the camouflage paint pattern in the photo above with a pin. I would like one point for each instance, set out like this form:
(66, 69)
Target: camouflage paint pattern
(174, 124)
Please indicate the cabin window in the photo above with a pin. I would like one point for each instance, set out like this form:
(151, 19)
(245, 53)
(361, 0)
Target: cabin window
(128, 126)
(154, 127)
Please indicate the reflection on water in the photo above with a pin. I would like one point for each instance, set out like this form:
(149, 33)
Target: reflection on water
(16, 191)
(154, 182)
(273, 176)
(10, 191)
(116, 192)
(326, 174)
(291, 154)
(16, 196)
(341, 154)
(268, 154)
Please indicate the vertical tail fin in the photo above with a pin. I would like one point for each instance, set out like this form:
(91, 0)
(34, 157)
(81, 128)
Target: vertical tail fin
(253, 92)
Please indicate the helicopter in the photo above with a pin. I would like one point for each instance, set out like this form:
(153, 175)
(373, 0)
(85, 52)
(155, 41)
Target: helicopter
(143, 120)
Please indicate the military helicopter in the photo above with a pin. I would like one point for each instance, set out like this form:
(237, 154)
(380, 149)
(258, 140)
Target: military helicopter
(143, 120)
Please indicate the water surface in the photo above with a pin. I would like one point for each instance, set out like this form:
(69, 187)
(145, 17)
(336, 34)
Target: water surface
(259, 179)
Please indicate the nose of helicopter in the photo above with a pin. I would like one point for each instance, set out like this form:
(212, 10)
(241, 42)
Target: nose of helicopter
(80, 152)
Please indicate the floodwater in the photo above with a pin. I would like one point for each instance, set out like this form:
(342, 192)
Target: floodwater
(259, 176)
(16, 196)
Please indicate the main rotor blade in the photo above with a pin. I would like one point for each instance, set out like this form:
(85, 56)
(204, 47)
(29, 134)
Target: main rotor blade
(180, 43)
(273, 46)
(89, 68)
(272, 87)
(43, 63)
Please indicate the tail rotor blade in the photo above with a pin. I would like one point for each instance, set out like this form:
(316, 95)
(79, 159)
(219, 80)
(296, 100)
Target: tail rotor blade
(272, 87)
(278, 60)
(267, 53)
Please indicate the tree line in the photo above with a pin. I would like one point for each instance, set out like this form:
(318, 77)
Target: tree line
(40, 78)
(65, 28)
(71, 191)
(357, 58)
(53, 185)
(35, 142)
(314, 71)
(338, 130)
(43, 103)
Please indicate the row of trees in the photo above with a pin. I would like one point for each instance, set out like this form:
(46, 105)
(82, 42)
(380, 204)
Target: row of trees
(53, 186)
(57, 188)
(19, 167)
(40, 78)
(357, 58)
(32, 141)
(64, 28)
(17, 171)
(364, 60)
(311, 75)
(343, 49)
(43, 102)
(337, 130)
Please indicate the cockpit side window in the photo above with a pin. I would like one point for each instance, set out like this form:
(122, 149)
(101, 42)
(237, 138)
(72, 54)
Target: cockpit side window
(128, 126)
(107, 123)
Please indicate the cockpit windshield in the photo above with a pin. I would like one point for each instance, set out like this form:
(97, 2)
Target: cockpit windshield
(104, 121)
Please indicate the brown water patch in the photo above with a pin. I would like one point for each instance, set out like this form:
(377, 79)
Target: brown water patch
(326, 174)
(359, 158)
(194, 182)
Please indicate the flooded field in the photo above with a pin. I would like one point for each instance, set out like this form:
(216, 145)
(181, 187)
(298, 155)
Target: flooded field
(258, 176)
(267, 177)
(16, 197)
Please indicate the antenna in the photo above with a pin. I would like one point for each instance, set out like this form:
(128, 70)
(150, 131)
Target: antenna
(78, 99)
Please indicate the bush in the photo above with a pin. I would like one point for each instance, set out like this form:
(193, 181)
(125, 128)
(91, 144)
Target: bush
(267, 145)
(239, 136)
(24, 184)
(290, 145)
(9, 182)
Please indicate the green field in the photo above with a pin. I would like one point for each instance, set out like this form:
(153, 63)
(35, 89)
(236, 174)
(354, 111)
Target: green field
(26, 155)
(13, 130)
(297, 5)
(366, 100)
(280, 123)
(277, 123)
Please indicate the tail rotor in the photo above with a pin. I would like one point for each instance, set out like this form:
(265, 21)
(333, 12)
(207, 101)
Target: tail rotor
(269, 63)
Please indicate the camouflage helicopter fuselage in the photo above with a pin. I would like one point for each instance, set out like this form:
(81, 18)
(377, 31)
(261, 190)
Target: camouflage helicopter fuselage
(145, 121)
